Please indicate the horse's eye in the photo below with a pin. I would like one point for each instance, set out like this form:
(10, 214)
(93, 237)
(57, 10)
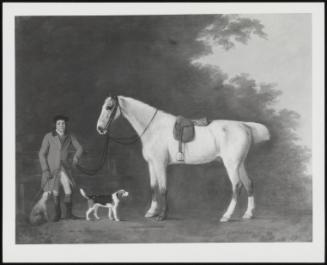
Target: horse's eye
(108, 107)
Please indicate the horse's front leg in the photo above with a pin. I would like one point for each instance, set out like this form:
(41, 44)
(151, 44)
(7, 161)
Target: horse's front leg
(154, 208)
(163, 192)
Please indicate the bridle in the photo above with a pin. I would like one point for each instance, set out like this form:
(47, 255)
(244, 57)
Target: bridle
(125, 140)
(121, 140)
(113, 113)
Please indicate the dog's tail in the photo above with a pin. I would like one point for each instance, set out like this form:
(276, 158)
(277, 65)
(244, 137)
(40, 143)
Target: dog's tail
(83, 194)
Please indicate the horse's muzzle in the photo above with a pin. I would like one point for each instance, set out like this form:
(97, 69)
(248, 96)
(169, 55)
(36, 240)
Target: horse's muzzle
(101, 130)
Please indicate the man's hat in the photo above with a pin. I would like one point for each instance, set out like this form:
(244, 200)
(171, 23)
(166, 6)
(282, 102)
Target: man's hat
(60, 117)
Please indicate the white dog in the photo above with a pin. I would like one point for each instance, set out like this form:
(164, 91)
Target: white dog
(109, 201)
(39, 212)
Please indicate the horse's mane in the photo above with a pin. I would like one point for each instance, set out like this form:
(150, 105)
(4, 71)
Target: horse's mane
(136, 101)
(142, 104)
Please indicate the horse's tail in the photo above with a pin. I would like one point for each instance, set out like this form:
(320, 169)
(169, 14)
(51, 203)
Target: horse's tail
(83, 194)
(260, 133)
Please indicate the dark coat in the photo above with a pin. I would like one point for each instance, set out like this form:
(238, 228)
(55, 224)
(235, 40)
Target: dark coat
(53, 156)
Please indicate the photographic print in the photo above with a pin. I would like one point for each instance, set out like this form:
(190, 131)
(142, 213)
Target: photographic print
(163, 128)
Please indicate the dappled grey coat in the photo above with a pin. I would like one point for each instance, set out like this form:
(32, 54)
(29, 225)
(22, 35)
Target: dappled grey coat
(54, 154)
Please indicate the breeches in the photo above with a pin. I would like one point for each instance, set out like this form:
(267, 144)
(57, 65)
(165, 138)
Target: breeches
(62, 179)
(65, 182)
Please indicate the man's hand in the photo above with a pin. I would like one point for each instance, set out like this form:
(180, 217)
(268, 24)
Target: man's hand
(75, 161)
(46, 174)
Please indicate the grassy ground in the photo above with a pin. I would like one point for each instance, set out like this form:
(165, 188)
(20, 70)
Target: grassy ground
(178, 228)
(195, 207)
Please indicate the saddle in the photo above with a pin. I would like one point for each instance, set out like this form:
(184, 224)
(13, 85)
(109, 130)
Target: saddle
(184, 132)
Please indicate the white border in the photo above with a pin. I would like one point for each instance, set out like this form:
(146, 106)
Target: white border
(206, 252)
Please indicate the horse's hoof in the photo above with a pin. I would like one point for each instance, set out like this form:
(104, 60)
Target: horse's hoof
(247, 216)
(150, 215)
(224, 219)
(160, 218)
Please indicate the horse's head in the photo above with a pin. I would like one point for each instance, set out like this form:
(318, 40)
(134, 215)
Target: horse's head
(110, 112)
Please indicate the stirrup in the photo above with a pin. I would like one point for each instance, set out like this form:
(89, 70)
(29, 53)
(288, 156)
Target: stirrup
(180, 156)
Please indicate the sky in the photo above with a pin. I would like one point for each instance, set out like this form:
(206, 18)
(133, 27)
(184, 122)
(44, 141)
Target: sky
(283, 58)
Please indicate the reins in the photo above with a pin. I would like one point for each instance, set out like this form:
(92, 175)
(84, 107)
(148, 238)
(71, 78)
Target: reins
(93, 171)
(132, 139)
(120, 140)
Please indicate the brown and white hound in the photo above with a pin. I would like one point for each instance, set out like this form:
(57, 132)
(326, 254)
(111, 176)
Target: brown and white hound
(108, 201)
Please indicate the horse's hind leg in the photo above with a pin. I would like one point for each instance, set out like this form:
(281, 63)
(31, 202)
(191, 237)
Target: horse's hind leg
(233, 173)
(248, 184)
(154, 208)
(237, 146)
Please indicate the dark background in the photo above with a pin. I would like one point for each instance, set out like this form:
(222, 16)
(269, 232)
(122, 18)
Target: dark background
(68, 65)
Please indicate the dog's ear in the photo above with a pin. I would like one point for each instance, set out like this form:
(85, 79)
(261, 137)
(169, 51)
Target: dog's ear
(119, 194)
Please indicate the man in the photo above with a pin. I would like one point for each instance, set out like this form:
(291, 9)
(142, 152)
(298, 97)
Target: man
(56, 171)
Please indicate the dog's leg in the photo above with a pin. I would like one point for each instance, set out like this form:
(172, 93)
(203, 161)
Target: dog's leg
(88, 212)
(96, 212)
(110, 213)
(114, 209)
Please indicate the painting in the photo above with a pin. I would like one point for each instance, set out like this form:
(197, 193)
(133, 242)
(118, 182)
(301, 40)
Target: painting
(164, 126)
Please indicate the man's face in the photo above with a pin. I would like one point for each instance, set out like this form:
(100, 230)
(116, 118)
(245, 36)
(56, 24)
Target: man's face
(60, 125)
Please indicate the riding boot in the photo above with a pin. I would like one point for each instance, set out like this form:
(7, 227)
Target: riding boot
(57, 209)
(69, 208)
